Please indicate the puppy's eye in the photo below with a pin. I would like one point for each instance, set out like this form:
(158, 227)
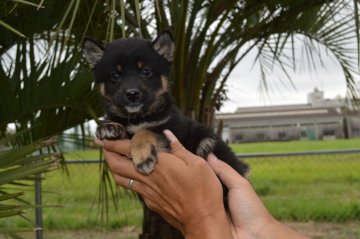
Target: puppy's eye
(115, 76)
(146, 72)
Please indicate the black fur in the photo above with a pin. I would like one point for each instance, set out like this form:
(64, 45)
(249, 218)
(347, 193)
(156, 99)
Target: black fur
(133, 76)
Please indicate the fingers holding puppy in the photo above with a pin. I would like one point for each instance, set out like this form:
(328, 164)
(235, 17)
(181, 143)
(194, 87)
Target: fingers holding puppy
(118, 146)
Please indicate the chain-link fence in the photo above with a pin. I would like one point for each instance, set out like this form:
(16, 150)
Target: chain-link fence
(316, 186)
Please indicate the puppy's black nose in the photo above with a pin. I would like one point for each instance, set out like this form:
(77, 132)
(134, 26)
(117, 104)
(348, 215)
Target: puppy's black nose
(133, 94)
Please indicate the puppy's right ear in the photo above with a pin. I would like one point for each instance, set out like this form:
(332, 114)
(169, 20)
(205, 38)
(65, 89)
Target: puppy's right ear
(93, 51)
(164, 45)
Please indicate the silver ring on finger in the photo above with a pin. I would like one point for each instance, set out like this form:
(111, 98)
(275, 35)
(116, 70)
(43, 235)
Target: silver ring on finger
(131, 181)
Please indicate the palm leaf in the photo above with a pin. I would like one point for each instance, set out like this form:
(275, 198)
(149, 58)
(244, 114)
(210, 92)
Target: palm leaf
(10, 28)
(19, 164)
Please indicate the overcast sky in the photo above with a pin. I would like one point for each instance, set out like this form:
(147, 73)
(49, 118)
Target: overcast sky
(243, 85)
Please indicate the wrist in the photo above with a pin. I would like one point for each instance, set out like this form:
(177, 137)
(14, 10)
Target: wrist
(211, 225)
(275, 230)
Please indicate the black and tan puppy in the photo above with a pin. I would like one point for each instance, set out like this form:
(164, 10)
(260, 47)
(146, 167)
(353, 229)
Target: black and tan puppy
(133, 78)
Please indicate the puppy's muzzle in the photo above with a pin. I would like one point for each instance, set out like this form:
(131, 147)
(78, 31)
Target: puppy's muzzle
(133, 96)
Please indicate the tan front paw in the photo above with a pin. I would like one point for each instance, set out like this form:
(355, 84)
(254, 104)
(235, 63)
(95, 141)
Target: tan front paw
(144, 157)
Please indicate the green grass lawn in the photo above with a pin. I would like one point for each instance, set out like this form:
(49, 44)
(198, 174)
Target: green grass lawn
(298, 188)
(72, 202)
(317, 188)
(296, 146)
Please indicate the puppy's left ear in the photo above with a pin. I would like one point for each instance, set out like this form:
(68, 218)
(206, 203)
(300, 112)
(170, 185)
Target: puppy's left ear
(164, 45)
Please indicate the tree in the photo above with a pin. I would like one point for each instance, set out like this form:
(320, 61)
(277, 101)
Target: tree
(52, 91)
(212, 37)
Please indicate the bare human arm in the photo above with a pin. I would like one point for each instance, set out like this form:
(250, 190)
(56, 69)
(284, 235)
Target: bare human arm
(248, 215)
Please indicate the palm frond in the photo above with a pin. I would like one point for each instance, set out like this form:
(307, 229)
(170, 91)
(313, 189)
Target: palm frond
(19, 164)
(10, 28)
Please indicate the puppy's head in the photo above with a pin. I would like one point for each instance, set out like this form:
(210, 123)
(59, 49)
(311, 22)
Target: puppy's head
(132, 73)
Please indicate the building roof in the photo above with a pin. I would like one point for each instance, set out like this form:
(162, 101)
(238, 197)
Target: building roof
(317, 106)
(281, 113)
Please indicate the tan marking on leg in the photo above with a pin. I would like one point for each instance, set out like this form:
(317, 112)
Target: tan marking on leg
(142, 146)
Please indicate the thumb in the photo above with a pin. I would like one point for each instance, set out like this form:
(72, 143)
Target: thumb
(174, 142)
(227, 175)
(179, 150)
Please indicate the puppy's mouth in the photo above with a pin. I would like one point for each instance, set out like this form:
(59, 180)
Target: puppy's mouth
(134, 108)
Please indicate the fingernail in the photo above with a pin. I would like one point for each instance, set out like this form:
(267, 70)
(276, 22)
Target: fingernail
(170, 135)
(212, 158)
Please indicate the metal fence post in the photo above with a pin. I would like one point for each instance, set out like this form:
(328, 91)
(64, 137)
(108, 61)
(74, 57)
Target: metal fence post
(38, 208)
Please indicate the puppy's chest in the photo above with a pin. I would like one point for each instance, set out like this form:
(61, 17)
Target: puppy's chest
(133, 128)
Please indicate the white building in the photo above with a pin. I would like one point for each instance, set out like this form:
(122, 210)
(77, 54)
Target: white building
(318, 119)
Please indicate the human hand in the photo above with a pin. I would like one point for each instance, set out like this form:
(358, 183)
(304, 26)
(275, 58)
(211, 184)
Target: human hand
(182, 189)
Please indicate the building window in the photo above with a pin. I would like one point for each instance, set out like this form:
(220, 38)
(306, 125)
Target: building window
(238, 138)
(260, 136)
(282, 135)
(356, 131)
(329, 132)
(303, 134)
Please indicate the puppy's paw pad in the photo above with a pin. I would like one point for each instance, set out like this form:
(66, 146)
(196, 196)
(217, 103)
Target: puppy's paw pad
(148, 165)
(110, 131)
(205, 147)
